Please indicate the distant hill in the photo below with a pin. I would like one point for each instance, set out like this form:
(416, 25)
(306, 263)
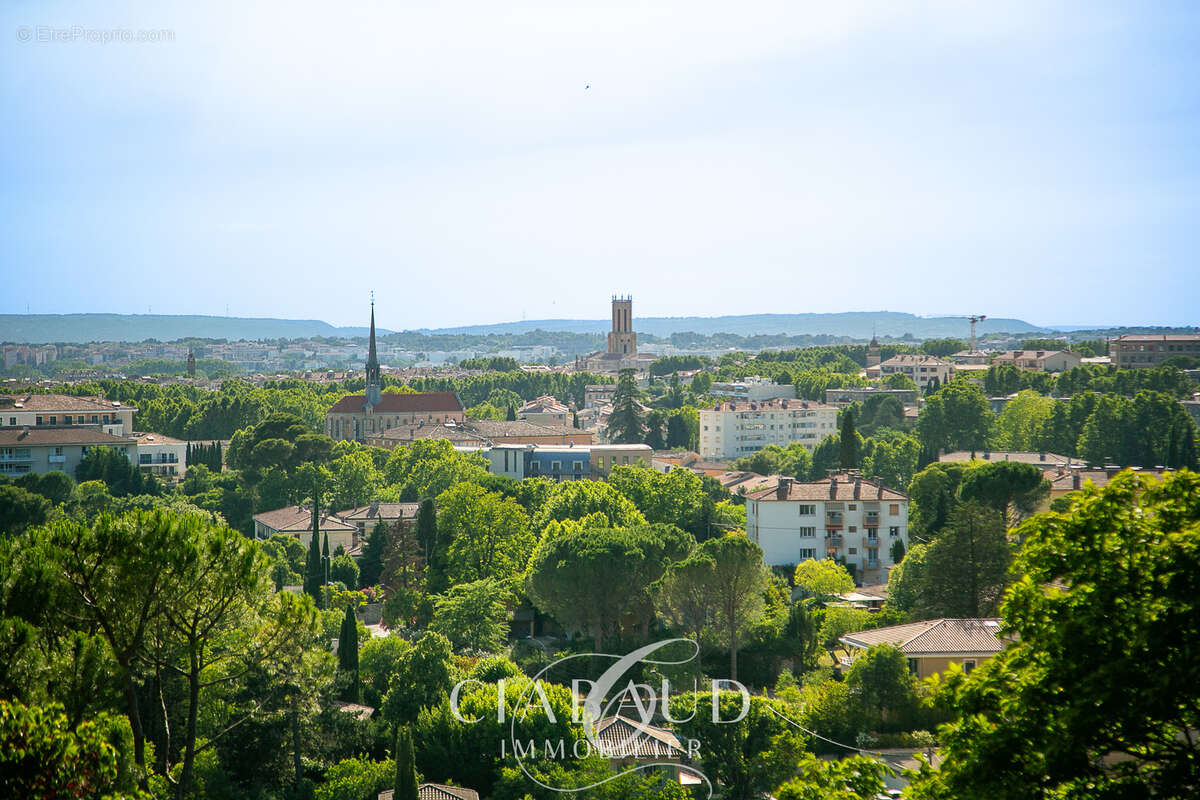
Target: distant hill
(40, 328)
(856, 324)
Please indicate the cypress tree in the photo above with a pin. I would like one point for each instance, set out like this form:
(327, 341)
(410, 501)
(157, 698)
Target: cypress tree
(348, 653)
(848, 454)
(371, 566)
(406, 771)
(427, 528)
(314, 575)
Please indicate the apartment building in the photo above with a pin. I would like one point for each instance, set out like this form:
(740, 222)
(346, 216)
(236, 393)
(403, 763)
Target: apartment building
(921, 368)
(1142, 350)
(753, 389)
(734, 429)
(845, 517)
(59, 449)
(162, 456)
(52, 410)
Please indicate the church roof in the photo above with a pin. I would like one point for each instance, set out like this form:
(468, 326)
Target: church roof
(400, 403)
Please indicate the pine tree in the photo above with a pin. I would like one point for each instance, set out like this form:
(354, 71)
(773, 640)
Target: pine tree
(348, 653)
(406, 771)
(511, 413)
(625, 425)
(848, 454)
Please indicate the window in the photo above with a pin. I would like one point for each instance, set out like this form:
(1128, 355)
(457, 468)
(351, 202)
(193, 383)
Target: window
(853, 528)
(556, 466)
(854, 506)
(806, 553)
(579, 466)
(808, 531)
(39, 420)
(12, 420)
(912, 666)
(53, 419)
(894, 530)
(894, 509)
(806, 510)
(853, 551)
(968, 665)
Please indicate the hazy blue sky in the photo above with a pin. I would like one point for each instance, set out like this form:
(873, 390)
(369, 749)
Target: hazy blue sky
(1036, 160)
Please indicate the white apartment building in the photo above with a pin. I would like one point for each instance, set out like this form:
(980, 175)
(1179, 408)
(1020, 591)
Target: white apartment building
(753, 389)
(164, 456)
(55, 410)
(735, 429)
(918, 366)
(851, 519)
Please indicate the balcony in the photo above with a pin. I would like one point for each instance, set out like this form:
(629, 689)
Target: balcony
(872, 563)
(833, 540)
(833, 521)
(871, 519)
(872, 540)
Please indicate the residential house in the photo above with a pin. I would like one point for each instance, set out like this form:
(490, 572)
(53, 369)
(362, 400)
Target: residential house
(845, 517)
(733, 430)
(595, 394)
(1038, 360)
(933, 645)
(297, 521)
(545, 410)
(365, 518)
(922, 369)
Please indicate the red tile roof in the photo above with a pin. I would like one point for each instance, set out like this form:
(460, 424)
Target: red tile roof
(934, 637)
(400, 403)
(869, 491)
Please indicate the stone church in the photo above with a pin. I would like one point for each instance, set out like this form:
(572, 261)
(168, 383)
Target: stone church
(357, 416)
(622, 352)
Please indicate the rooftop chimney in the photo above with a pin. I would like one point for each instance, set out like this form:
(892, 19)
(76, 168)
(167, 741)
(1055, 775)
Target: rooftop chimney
(833, 488)
(783, 489)
(1076, 481)
(857, 488)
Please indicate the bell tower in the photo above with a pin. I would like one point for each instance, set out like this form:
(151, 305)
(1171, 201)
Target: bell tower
(374, 381)
(622, 341)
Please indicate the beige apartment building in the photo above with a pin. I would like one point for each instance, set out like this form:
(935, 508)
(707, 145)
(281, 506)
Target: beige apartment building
(921, 368)
(1039, 360)
(733, 430)
(1143, 350)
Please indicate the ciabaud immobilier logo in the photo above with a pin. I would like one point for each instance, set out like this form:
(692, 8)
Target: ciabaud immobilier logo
(599, 700)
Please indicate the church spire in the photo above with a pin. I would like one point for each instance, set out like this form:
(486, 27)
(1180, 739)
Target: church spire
(374, 382)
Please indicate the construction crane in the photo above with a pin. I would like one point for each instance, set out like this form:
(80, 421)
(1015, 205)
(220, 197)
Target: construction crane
(975, 319)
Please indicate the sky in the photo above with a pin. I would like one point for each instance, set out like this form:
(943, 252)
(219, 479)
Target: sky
(487, 162)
